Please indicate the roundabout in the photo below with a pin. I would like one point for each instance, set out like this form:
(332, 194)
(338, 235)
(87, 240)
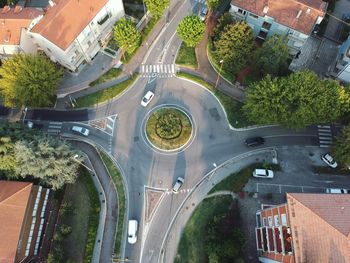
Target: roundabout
(168, 128)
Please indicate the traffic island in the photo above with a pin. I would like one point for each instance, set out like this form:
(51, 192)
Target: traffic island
(168, 128)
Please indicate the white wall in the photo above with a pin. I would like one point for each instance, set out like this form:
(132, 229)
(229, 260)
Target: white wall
(345, 74)
(26, 43)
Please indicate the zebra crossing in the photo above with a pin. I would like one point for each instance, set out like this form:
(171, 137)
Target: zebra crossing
(158, 70)
(54, 127)
(325, 137)
(182, 191)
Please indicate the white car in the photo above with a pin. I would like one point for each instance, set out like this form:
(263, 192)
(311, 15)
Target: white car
(147, 98)
(337, 191)
(263, 173)
(132, 230)
(328, 159)
(179, 182)
(203, 13)
(80, 130)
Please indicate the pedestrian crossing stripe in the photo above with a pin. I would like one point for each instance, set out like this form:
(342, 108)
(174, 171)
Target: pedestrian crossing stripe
(158, 68)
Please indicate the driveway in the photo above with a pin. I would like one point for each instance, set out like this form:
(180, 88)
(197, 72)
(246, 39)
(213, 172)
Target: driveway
(296, 175)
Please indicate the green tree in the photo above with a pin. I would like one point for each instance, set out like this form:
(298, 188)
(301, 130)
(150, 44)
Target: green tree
(234, 46)
(272, 57)
(48, 159)
(295, 101)
(7, 156)
(341, 147)
(29, 80)
(127, 36)
(157, 7)
(213, 4)
(223, 21)
(191, 30)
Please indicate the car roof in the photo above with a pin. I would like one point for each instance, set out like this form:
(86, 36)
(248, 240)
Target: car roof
(149, 94)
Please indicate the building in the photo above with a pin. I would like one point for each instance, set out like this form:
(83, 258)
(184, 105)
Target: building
(14, 25)
(309, 228)
(341, 69)
(294, 19)
(23, 214)
(69, 32)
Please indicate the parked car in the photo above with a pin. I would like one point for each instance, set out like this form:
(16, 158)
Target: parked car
(263, 173)
(132, 230)
(328, 159)
(203, 13)
(254, 141)
(179, 182)
(337, 191)
(147, 98)
(80, 130)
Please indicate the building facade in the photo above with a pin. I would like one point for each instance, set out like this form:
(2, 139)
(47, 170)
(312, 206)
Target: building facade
(23, 219)
(341, 69)
(309, 228)
(294, 19)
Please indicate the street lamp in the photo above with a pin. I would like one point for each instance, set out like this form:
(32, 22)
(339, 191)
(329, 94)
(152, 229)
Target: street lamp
(217, 80)
(75, 159)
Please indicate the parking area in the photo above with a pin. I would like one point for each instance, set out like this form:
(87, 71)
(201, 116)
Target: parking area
(296, 176)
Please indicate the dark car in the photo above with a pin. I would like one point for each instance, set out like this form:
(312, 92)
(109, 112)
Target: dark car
(254, 141)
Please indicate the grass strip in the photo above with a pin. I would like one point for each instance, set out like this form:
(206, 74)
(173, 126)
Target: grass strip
(192, 246)
(93, 218)
(118, 182)
(187, 57)
(106, 94)
(109, 75)
(236, 181)
(232, 107)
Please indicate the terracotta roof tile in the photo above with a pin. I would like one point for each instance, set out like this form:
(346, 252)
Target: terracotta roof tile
(285, 12)
(320, 227)
(11, 23)
(64, 21)
(14, 197)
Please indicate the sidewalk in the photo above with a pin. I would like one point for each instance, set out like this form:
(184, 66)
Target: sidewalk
(199, 193)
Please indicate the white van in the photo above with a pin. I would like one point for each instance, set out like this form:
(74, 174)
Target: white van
(132, 230)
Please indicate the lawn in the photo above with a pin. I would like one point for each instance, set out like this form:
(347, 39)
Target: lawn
(118, 182)
(236, 181)
(192, 246)
(109, 75)
(106, 94)
(232, 107)
(82, 217)
(187, 57)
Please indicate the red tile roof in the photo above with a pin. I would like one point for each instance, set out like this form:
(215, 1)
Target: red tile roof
(12, 20)
(64, 21)
(285, 12)
(320, 227)
(14, 198)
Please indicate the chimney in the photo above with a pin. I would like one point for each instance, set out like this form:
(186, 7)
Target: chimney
(5, 9)
(299, 13)
(18, 9)
(266, 8)
(52, 3)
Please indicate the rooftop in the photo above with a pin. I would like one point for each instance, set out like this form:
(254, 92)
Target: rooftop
(300, 15)
(14, 197)
(66, 19)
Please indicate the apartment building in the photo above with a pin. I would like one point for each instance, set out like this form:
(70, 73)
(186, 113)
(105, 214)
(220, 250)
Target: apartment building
(23, 218)
(69, 32)
(294, 19)
(341, 69)
(309, 228)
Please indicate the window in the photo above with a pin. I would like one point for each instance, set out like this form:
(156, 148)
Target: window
(264, 221)
(253, 16)
(103, 20)
(270, 220)
(266, 25)
(262, 34)
(241, 11)
(277, 220)
(49, 50)
(284, 219)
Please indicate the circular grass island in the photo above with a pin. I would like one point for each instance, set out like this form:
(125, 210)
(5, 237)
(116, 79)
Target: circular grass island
(168, 128)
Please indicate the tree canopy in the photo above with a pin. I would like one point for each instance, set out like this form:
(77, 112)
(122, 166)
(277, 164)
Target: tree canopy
(272, 57)
(191, 30)
(295, 101)
(29, 80)
(157, 7)
(341, 147)
(127, 36)
(36, 156)
(213, 4)
(234, 46)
